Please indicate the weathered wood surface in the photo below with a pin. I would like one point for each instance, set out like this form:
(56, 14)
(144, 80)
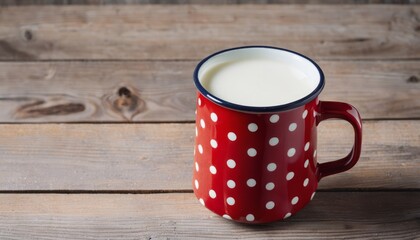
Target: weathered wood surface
(143, 61)
(138, 157)
(193, 31)
(330, 215)
(105, 2)
(163, 91)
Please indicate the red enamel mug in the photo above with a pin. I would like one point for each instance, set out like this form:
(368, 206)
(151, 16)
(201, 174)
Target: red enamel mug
(258, 164)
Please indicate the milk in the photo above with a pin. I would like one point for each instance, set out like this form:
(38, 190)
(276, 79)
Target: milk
(257, 81)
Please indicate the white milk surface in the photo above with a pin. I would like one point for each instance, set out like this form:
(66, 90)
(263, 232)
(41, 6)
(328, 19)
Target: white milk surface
(258, 82)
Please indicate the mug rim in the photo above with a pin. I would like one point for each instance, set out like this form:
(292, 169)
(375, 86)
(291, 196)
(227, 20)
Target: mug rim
(260, 109)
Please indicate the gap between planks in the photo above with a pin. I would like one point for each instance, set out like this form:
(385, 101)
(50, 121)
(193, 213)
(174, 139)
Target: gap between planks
(174, 122)
(338, 190)
(196, 60)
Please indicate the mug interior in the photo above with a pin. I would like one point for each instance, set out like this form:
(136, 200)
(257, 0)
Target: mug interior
(307, 66)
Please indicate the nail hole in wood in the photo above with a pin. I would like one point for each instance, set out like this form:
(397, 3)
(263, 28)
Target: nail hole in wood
(28, 35)
(413, 79)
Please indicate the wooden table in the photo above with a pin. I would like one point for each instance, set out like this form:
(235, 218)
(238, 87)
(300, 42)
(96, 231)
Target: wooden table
(97, 110)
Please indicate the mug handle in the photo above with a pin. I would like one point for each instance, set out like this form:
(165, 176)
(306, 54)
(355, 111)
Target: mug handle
(347, 112)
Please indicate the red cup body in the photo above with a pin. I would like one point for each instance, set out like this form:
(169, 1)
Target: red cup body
(259, 164)
(254, 167)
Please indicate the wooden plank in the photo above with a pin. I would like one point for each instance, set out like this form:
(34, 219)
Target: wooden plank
(137, 157)
(361, 215)
(90, 91)
(163, 91)
(105, 2)
(194, 31)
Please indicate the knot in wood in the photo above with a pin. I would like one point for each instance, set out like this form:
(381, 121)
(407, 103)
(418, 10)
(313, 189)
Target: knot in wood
(123, 91)
(126, 100)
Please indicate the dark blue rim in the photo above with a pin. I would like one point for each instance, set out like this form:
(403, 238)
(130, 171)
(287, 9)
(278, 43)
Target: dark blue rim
(244, 108)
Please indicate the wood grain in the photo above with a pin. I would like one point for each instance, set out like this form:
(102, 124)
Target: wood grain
(194, 31)
(163, 91)
(180, 216)
(143, 157)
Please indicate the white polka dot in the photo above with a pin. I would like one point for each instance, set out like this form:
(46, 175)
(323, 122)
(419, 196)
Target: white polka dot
(287, 215)
(305, 183)
(306, 163)
(231, 136)
(291, 152)
(271, 167)
(274, 118)
(304, 114)
(202, 202)
(212, 193)
(307, 146)
(314, 153)
(194, 151)
(196, 184)
(269, 186)
(273, 141)
(196, 166)
(202, 123)
(200, 148)
(250, 217)
(269, 205)
(199, 102)
(313, 195)
(213, 117)
(252, 152)
(213, 170)
(251, 182)
(227, 217)
(230, 201)
(252, 127)
(295, 200)
(290, 175)
(231, 163)
(196, 132)
(231, 184)
(195, 112)
(213, 143)
(314, 113)
(292, 127)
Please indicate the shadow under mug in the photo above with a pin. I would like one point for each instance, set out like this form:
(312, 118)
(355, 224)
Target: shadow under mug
(259, 164)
